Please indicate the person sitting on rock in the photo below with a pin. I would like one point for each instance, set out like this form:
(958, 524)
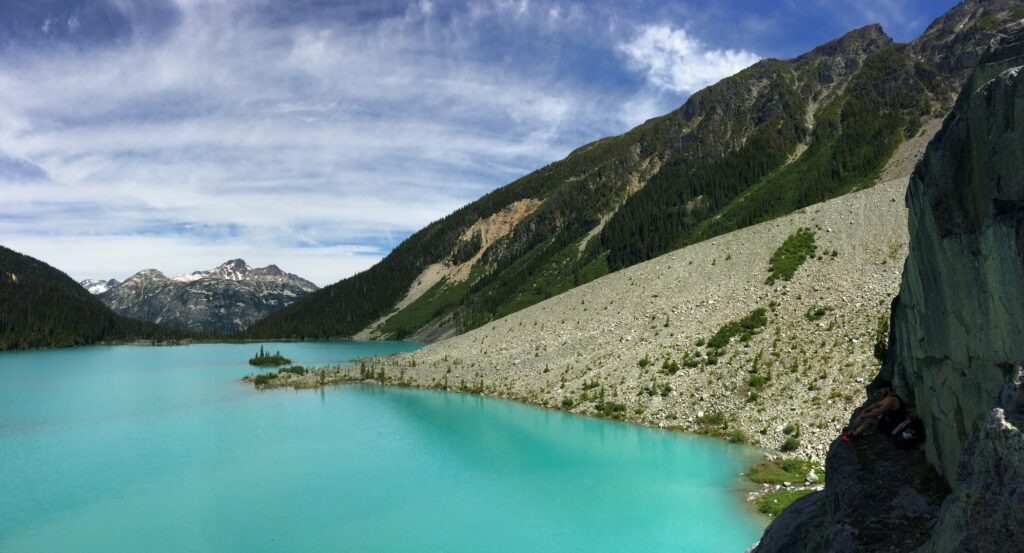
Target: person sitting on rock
(884, 414)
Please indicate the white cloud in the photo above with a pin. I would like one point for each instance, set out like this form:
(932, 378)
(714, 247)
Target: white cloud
(673, 60)
(300, 142)
(305, 141)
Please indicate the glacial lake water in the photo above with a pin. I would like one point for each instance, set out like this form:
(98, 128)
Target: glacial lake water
(154, 449)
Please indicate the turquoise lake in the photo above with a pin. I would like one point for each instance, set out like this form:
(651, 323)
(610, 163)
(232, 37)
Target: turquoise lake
(163, 449)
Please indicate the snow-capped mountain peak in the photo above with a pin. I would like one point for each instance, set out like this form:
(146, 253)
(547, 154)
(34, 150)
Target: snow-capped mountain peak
(238, 270)
(234, 269)
(95, 287)
(224, 299)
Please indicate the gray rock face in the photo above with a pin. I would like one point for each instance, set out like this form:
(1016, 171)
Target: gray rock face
(985, 513)
(223, 300)
(950, 44)
(958, 323)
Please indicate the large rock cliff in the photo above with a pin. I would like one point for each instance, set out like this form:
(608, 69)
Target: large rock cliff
(955, 350)
(958, 324)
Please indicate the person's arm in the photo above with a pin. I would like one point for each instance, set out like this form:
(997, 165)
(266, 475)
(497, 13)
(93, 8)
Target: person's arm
(873, 409)
(867, 413)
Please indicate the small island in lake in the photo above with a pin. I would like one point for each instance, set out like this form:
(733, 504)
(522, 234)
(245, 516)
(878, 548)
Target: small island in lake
(265, 359)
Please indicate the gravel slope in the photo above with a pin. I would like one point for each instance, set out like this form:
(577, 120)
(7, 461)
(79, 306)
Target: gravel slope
(563, 352)
(595, 336)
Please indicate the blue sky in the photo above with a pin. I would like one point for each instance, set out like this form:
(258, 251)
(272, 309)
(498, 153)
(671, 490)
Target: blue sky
(316, 134)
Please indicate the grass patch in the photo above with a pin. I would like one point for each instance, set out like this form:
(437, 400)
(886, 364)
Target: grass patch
(739, 437)
(263, 379)
(791, 255)
(610, 409)
(715, 418)
(745, 328)
(773, 503)
(882, 339)
(714, 424)
(757, 381)
(439, 299)
(816, 312)
(670, 367)
(777, 471)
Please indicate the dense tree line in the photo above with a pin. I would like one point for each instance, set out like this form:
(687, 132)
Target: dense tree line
(42, 307)
(854, 135)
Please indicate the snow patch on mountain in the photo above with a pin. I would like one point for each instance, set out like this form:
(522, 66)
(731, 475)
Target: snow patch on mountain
(95, 287)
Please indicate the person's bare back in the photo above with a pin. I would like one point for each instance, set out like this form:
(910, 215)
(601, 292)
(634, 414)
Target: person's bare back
(890, 406)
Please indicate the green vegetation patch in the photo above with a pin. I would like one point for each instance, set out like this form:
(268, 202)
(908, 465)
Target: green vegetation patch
(791, 255)
(757, 381)
(261, 380)
(738, 436)
(670, 366)
(714, 424)
(792, 443)
(854, 136)
(774, 503)
(435, 302)
(610, 409)
(778, 471)
(816, 312)
(882, 339)
(266, 359)
(745, 328)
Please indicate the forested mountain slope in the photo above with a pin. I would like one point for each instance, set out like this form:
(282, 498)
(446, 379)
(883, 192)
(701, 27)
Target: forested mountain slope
(41, 306)
(778, 136)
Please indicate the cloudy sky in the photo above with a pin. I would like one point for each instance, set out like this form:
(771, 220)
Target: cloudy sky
(318, 134)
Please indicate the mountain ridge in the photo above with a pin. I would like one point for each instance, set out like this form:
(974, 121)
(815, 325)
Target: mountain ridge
(221, 300)
(775, 137)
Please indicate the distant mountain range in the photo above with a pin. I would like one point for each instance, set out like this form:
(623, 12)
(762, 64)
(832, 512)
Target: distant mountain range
(776, 137)
(222, 300)
(41, 306)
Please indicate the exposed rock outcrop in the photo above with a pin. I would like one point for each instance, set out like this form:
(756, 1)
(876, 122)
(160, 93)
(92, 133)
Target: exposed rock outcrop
(958, 324)
(956, 341)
